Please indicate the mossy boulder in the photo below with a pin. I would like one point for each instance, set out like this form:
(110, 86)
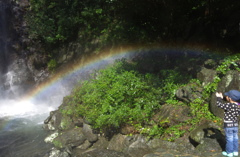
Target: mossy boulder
(71, 138)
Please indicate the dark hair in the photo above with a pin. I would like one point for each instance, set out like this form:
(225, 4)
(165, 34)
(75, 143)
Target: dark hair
(225, 98)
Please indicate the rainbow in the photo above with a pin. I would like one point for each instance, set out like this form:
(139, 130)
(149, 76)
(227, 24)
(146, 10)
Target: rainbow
(77, 69)
(88, 63)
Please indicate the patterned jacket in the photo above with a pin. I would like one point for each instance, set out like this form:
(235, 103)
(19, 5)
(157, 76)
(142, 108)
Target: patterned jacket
(231, 111)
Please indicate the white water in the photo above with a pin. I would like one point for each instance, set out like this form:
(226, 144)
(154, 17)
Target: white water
(14, 108)
(11, 104)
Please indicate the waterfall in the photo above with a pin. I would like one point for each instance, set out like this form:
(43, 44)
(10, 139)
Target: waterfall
(12, 72)
(6, 76)
(3, 38)
(3, 45)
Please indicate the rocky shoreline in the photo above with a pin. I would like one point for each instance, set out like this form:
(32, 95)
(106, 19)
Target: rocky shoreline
(80, 140)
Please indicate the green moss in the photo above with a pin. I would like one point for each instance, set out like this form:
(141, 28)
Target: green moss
(57, 143)
(65, 123)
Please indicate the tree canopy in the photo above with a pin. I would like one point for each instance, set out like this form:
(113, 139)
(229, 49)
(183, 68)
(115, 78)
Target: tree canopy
(134, 21)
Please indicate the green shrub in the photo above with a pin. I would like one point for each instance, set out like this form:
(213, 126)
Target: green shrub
(115, 97)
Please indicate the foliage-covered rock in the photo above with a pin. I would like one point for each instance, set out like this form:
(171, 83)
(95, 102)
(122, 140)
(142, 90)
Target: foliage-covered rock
(114, 97)
(228, 82)
(189, 92)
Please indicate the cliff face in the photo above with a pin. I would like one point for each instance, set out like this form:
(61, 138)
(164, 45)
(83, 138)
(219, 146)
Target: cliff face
(7, 34)
(18, 60)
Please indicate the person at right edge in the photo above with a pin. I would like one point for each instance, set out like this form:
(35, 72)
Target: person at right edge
(231, 113)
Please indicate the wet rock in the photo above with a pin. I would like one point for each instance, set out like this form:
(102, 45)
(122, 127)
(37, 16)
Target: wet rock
(70, 138)
(51, 137)
(53, 121)
(139, 147)
(88, 133)
(57, 153)
(183, 145)
(78, 122)
(101, 152)
(18, 79)
(37, 65)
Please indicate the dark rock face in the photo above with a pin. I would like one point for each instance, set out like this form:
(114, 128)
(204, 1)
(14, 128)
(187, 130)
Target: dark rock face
(230, 81)
(19, 73)
(5, 35)
(204, 132)
(173, 114)
(18, 69)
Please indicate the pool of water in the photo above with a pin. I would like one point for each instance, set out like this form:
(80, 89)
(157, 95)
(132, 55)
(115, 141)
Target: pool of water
(23, 137)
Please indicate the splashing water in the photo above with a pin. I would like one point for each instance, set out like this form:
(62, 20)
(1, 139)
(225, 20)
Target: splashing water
(16, 108)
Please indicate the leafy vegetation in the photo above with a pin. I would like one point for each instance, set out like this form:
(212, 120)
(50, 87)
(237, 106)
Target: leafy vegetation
(115, 97)
(55, 22)
(113, 22)
(229, 63)
(119, 96)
